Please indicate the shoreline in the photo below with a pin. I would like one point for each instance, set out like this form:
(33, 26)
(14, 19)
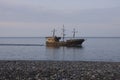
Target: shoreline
(58, 70)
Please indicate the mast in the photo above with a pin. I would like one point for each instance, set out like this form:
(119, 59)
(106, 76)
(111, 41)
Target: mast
(54, 32)
(63, 33)
(74, 31)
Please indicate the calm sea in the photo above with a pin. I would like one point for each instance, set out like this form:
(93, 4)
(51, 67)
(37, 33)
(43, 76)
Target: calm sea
(93, 49)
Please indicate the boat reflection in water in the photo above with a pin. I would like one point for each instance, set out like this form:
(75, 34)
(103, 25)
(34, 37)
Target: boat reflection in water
(64, 53)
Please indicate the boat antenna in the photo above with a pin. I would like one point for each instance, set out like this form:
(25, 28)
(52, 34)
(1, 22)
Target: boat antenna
(74, 31)
(63, 32)
(53, 31)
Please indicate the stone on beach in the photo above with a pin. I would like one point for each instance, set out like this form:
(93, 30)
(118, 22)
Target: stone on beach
(59, 70)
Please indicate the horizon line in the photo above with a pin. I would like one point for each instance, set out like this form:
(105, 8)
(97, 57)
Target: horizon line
(65, 37)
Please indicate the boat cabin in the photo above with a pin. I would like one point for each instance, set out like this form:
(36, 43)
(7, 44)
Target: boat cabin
(53, 39)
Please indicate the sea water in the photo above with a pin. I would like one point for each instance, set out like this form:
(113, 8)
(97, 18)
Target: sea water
(93, 49)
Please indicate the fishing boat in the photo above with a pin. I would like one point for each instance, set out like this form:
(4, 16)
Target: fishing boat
(56, 41)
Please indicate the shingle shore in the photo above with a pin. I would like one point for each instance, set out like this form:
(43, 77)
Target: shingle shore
(59, 70)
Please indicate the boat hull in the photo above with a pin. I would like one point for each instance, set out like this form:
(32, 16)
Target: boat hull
(71, 42)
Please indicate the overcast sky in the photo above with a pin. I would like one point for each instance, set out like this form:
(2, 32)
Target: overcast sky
(35, 18)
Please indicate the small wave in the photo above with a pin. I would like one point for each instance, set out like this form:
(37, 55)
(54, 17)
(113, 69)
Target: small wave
(21, 45)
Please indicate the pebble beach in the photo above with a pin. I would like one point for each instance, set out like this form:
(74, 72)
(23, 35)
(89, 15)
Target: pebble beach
(59, 70)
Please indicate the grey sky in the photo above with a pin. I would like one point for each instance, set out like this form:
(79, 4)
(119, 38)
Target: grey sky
(20, 18)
